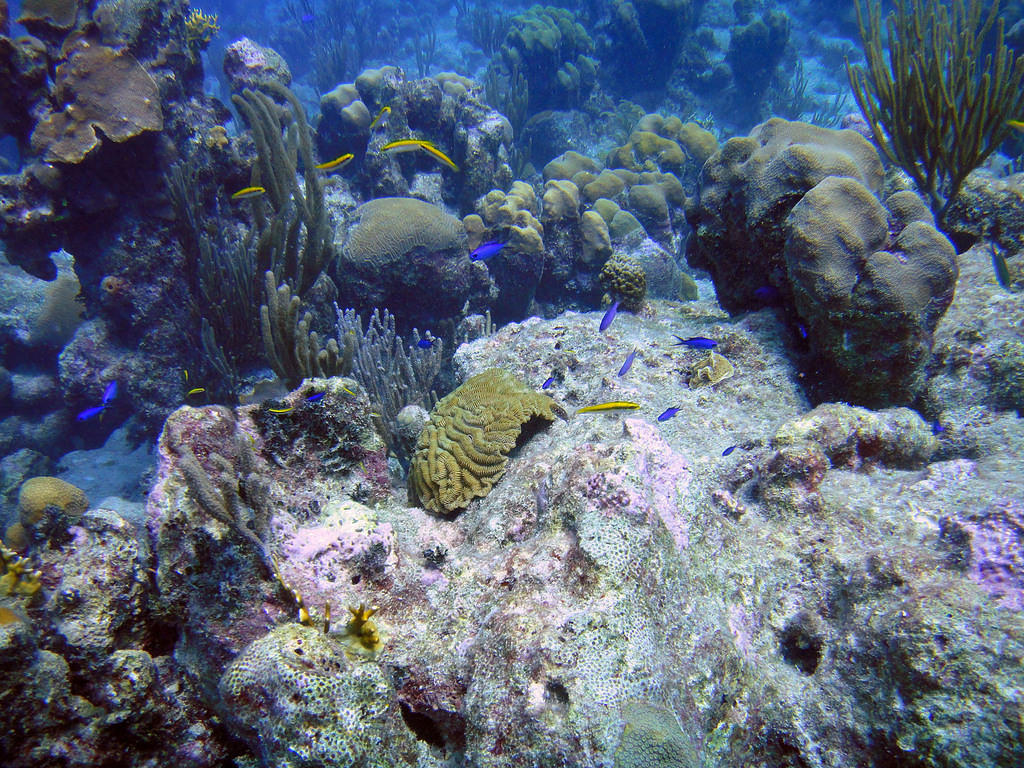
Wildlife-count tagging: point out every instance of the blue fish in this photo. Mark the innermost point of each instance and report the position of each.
(425, 343)
(609, 316)
(937, 427)
(110, 392)
(308, 18)
(88, 413)
(695, 342)
(314, 397)
(628, 364)
(548, 383)
(486, 250)
(768, 294)
(729, 450)
(668, 413)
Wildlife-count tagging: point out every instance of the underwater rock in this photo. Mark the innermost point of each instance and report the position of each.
(247, 64)
(988, 208)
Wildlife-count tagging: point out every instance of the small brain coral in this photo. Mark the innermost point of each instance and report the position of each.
(463, 449)
(624, 278)
(38, 493)
(296, 698)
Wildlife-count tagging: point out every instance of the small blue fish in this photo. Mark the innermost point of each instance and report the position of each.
(486, 250)
(110, 392)
(695, 342)
(548, 383)
(609, 316)
(308, 18)
(314, 397)
(729, 450)
(88, 413)
(768, 294)
(802, 330)
(628, 364)
(937, 428)
(668, 413)
(425, 343)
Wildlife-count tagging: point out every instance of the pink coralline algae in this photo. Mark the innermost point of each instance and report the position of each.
(990, 546)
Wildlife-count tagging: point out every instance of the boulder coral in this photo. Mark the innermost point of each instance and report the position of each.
(792, 211)
(403, 252)
(870, 283)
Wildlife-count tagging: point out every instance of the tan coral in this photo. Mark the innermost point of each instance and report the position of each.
(709, 371)
(106, 91)
(463, 450)
(38, 493)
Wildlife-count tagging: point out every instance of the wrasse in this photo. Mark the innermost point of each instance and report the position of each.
(1016, 124)
(410, 145)
(195, 391)
(248, 193)
(280, 410)
(339, 162)
(380, 118)
(614, 405)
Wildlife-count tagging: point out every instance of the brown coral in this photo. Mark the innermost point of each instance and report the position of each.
(624, 278)
(39, 493)
(106, 91)
(463, 449)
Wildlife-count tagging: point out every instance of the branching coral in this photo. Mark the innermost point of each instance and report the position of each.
(18, 577)
(935, 109)
(200, 28)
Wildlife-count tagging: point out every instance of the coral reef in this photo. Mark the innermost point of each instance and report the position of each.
(625, 280)
(463, 449)
(325, 709)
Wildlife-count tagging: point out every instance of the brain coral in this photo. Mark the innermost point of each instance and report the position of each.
(296, 698)
(463, 449)
(747, 189)
(871, 284)
(38, 493)
(402, 252)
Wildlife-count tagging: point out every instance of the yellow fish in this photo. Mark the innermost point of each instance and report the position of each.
(615, 405)
(195, 391)
(280, 410)
(380, 118)
(338, 162)
(1017, 124)
(248, 192)
(410, 145)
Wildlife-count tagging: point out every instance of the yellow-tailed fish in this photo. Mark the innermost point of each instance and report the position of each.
(614, 405)
(440, 156)
(280, 410)
(349, 391)
(248, 193)
(195, 391)
(338, 162)
(408, 145)
(381, 117)
(1017, 124)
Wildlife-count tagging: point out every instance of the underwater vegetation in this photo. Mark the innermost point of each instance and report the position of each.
(396, 383)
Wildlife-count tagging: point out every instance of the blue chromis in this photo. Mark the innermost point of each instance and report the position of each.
(609, 316)
(628, 364)
(548, 383)
(88, 413)
(729, 450)
(695, 342)
(110, 392)
(314, 397)
(425, 343)
(486, 250)
(667, 414)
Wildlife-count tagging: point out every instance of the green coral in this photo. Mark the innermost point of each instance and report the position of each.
(463, 450)
(653, 738)
(624, 278)
(296, 698)
(934, 108)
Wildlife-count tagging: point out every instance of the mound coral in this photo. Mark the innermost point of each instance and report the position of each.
(625, 280)
(39, 493)
(463, 449)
